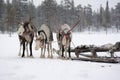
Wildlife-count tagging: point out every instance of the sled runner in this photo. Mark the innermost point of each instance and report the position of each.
(98, 59)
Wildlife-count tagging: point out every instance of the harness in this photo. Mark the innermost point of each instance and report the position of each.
(65, 38)
(43, 34)
(66, 35)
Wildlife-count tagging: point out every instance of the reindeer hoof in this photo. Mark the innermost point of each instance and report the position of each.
(42, 56)
(48, 56)
(60, 57)
(31, 56)
(51, 57)
(23, 56)
(67, 58)
(19, 54)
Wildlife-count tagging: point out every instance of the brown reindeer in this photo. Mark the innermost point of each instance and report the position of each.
(26, 34)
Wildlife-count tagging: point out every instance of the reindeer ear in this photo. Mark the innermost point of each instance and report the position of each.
(20, 23)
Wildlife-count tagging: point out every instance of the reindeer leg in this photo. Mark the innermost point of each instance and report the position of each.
(31, 49)
(51, 50)
(66, 53)
(26, 47)
(41, 55)
(19, 54)
(44, 50)
(60, 48)
(48, 49)
(62, 51)
(69, 51)
(23, 49)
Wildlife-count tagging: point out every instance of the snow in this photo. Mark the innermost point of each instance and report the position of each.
(13, 67)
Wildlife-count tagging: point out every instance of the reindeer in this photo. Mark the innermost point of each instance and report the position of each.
(26, 34)
(64, 37)
(44, 39)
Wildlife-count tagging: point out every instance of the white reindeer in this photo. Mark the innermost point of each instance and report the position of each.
(44, 39)
(64, 40)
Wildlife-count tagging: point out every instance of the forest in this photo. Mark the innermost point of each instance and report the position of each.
(53, 14)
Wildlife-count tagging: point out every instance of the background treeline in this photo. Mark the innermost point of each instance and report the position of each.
(53, 14)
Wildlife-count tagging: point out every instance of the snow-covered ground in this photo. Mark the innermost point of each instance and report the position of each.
(13, 67)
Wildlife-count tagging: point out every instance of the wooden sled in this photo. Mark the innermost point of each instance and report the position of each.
(94, 50)
(80, 50)
(98, 59)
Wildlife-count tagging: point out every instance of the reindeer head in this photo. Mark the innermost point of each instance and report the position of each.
(39, 42)
(20, 28)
